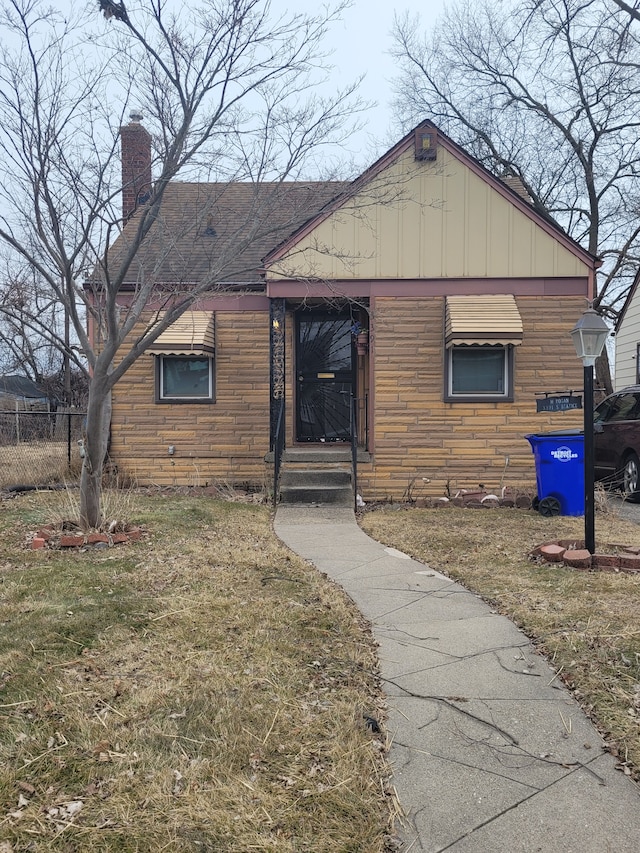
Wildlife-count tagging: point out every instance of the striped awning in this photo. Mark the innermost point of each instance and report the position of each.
(491, 320)
(191, 334)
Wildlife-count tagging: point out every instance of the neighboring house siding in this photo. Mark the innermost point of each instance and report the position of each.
(219, 442)
(626, 343)
(418, 435)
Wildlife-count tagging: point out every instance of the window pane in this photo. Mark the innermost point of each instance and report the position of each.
(478, 370)
(623, 407)
(186, 377)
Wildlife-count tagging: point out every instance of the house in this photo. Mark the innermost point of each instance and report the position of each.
(20, 393)
(467, 295)
(627, 331)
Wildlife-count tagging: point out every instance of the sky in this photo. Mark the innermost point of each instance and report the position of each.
(361, 44)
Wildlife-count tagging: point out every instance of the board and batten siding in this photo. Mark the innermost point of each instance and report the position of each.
(221, 442)
(429, 220)
(417, 435)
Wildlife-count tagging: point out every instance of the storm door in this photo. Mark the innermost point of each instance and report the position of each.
(324, 377)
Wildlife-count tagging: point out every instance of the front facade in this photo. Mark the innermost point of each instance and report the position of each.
(466, 297)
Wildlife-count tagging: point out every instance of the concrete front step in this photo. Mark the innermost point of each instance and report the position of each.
(316, 485)
(340, 495)
(320, 477)
(329, 454)
(317, 474)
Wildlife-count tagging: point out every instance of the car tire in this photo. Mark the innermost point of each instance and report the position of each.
(630, 478)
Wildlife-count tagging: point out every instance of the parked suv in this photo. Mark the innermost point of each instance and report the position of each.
(617, 441)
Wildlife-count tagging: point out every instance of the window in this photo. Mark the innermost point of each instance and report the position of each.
(480, 336)
(618, 407)
(184, 379)
(479, 373)
(185, 359)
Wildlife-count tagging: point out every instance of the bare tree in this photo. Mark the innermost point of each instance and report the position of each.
(25, 347)
(549, 91)
(633, 11)
(227, 90)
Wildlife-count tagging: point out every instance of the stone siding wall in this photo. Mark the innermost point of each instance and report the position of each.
(417, 435)
(224, 441)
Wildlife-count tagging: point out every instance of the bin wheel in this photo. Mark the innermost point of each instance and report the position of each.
(549, 506)
(535, 503)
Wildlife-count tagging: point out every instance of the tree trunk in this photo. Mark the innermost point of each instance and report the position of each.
(604, 385)
(95, 451)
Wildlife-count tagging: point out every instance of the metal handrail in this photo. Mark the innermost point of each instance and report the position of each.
(354, 448)
(278, 450)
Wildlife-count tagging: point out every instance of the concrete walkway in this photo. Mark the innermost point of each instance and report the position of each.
(489, 752)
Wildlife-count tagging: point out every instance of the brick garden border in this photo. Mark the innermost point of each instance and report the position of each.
(51, 536)
(573, 554)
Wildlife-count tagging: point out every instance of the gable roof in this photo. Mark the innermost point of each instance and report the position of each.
(233, 232)
(504, 187)
(221, 230)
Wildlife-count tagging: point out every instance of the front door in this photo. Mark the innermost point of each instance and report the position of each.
(325, 377)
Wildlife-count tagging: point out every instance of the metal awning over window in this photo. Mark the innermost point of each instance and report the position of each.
(491, 320)
(191, 334)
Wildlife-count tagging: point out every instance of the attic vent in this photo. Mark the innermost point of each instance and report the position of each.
(426, 142)
(209, 230)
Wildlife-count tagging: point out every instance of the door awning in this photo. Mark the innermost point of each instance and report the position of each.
(489, 320)
(191, 334)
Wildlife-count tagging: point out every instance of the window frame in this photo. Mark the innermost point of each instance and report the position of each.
(490, 397)
(159, 361)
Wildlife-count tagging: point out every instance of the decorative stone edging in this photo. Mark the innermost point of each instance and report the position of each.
(478, 499)
(52, 537)
(573, 554)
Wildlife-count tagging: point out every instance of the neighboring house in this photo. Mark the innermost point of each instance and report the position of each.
(20, 393)
(467, 294)
(627, 340)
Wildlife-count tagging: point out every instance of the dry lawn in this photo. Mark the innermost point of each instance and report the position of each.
(203, 690)
(35, 463)
(586, 623)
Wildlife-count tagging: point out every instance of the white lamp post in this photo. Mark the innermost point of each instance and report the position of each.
(589, 337)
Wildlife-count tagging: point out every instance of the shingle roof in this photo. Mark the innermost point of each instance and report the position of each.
(220, 230)
(20, 386)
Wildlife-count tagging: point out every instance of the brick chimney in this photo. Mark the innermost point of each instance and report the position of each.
(135, 143)
(514, 182)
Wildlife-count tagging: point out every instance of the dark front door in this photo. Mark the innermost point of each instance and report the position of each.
(324, 371)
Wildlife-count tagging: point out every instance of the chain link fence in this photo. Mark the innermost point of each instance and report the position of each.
(40, 448)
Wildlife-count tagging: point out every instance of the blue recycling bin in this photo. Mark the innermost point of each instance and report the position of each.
(559, 459)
